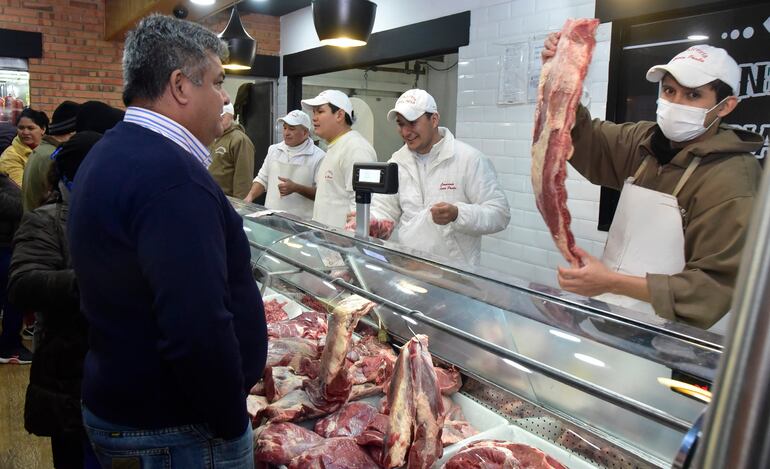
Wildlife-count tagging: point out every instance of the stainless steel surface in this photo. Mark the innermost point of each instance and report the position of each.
(737, 430)
(362, 220)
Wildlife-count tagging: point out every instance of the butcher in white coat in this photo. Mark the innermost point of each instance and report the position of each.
(448, 192)
(332, 118)
(290, 169)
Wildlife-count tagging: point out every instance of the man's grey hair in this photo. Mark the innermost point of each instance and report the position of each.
(158, 46)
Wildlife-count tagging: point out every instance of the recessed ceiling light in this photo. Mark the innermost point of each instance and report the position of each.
(697, 37)
(203, 2)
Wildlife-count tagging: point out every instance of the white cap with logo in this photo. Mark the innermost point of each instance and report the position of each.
(335, 97)
(412, 104)
(296, 117)
(698, 66)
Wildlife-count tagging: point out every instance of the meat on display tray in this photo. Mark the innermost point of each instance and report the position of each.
(486, 422)
(292, 308)
(515, 434)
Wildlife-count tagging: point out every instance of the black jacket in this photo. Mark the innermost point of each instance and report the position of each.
(41, 279)
(10, 209)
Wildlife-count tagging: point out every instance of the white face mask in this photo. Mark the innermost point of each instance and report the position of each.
(681, 123)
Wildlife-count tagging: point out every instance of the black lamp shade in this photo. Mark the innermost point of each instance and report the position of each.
(241, 46)
(344, 23)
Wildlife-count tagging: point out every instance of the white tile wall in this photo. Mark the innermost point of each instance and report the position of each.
(504, 133)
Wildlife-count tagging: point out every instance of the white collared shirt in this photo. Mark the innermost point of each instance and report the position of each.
(170, 129)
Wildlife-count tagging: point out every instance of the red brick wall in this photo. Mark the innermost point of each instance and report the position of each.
(77, 63)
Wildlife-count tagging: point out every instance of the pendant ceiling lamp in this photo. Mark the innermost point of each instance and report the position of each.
(241, 46)
(344, 23)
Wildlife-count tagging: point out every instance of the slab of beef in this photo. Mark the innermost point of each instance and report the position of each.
(334, 453)
(492, 454)
(449, 380)
(373, 361)
(255, 406)
(559, 91)
(291, 351)
(326, 393)
(310, 325)
(280, 381)
(296, 406)
(274, 311)
(361, 391)
(334, 382)
(350, 420)
(279, 443)
(455, 431)
(378, 227)
(416, 411)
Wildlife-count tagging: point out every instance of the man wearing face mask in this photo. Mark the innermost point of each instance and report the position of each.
(688, 184)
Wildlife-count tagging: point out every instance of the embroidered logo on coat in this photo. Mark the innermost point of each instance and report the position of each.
(329, 175)
(447, 186)
(220, 151)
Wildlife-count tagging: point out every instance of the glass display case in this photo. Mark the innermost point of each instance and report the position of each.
(592, 378)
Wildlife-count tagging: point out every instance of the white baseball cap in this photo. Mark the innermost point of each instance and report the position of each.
(698, 66)
(338, 98)
(412, 104)
(228, 109)
(296, 117)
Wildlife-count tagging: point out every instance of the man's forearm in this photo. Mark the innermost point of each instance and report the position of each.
(629, 285)
(306, 191)
(257, 189)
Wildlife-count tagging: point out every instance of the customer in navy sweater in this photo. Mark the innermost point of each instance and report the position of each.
(177, 327)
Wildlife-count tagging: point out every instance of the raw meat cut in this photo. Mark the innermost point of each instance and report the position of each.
(452, 411)
(280, 381)
(274, 311)
(291, 351)
(332, 387)
(449, 380)
(491, 454)
(373, 361)
(351, 420)
(313, 304)
(334, 453)
(559, 91)
(334, 383)
(295, 407)
(416, 411)
(279, 443)
(455, 431)
(255, 406)
(429, 418)
(378, 227)
(310, 325)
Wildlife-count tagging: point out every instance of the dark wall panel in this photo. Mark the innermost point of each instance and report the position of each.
(21, 44)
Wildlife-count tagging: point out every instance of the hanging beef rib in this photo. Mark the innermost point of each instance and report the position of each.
(558, 94)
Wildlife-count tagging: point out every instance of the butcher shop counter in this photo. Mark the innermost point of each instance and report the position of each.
(611, 390)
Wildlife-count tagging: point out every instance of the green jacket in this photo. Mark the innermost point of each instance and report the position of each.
(232, 162)
(716, 206)
(35, 187)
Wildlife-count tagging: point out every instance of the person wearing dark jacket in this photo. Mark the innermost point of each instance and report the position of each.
(41, 279)
(11, 349)
(177, 327)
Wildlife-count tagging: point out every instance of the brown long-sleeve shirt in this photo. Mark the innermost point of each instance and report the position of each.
(232, 162)
(716, 205)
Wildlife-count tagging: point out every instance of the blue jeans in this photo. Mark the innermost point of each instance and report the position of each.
(186, 446)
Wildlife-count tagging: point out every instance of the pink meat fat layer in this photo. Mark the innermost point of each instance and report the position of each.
(559, 91)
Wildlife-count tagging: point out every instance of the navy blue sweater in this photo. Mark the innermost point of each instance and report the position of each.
(178, 329)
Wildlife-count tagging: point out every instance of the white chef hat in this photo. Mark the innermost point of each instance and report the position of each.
(228, 109)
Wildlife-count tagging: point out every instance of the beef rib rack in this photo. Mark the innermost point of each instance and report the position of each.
(558, 94)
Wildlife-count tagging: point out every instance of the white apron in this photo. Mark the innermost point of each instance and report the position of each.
(295, 203)
(646, 236)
